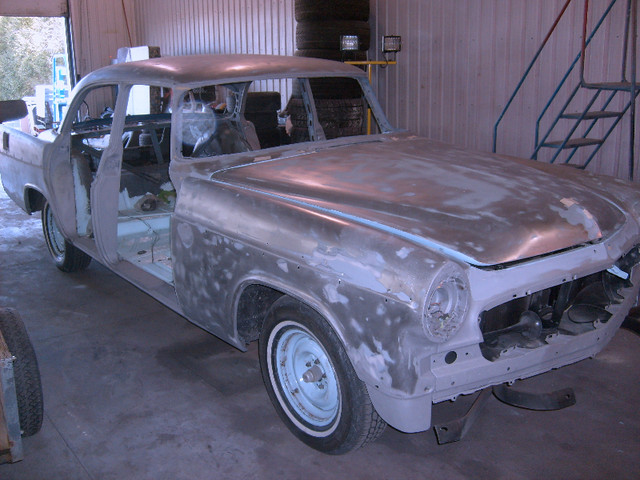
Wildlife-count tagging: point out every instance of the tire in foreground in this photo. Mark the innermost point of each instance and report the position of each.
(25, 372)
(312, 383)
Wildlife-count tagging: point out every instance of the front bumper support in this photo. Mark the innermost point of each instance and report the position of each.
(455, 430)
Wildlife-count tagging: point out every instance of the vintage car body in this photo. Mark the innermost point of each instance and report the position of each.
(439, 270)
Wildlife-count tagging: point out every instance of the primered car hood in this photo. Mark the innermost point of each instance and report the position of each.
(480, 208)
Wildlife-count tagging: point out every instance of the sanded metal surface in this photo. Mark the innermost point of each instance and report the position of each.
(161, 398)
(400, 243)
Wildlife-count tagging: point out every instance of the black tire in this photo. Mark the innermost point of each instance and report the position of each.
(269, 138)
(329, 409)
(336, 55)
(66, 257)
(338, 118)
(330, 88)
(331, 10)
(632, 322)
(25, 371)
(326, 35)
(262, 120)
(263, 102)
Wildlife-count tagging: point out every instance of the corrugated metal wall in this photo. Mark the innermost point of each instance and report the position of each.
(99, 28)
(219, 26)
(33, 8)
(182, 27)
(463, 58)
(460, 61)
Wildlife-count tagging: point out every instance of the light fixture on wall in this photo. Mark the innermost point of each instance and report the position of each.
(349, 47)
(391, 43)
(349, 43)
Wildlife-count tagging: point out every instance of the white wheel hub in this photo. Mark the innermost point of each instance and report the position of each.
(303, 371)
(55, 236)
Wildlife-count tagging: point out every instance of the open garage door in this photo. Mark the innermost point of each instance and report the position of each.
(34, 39)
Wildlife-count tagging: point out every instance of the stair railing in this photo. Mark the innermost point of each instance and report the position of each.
(630, 35)
(526, 73)
(633, 13)
(580, 55)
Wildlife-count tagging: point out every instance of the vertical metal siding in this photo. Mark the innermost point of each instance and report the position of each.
(218, 26)
(461, 60)
(183, 27)
(99, 29)
(33, 8)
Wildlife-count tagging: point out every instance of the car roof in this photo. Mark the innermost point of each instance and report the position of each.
(194, 70)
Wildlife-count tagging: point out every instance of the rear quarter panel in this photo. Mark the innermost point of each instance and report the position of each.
(21, 163)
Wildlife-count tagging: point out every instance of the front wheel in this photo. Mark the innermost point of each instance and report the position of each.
(66, 257)
(311, 381)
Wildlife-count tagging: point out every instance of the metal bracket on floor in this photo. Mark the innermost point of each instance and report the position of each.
(458, 428)
(455, 430)
(535, 401)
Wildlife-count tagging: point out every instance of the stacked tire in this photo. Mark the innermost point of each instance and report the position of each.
(320, 25)
(262, 110)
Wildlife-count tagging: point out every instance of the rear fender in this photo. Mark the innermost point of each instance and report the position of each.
(21, 164)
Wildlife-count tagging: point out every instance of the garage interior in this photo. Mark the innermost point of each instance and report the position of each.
(132, 390)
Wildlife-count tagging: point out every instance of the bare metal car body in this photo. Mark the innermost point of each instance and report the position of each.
(421, 256)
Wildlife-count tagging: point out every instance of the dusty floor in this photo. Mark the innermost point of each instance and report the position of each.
(133, 391)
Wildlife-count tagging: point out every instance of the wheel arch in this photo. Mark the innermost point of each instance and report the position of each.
(410, 415)
(255, 296)
(34, 199)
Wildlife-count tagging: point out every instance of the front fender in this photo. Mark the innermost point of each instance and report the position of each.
(367, 285)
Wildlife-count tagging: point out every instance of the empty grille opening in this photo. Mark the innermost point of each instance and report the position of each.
(570, 308)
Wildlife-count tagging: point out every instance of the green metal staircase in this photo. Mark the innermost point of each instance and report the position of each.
(573, 124)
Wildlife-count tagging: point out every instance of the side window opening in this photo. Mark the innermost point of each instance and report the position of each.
(248, 116)
(213, 122)
(91, 127)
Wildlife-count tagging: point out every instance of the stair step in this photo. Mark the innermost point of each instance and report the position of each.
(573, 143)
(611, 86)
(592, 115)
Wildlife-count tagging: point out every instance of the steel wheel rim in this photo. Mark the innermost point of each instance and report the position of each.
(56, 239)
(306, 377)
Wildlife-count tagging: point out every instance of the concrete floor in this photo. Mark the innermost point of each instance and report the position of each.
(133, 391)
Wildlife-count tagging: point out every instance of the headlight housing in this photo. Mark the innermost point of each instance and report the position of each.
(446, 304)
